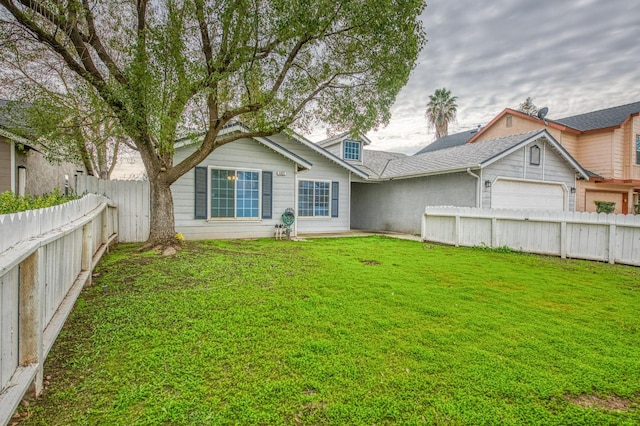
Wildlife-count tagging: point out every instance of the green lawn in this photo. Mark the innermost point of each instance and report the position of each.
(347, 331)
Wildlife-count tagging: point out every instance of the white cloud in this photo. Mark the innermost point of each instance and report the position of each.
(572, 57)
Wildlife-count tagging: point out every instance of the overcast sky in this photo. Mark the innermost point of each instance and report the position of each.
(572, 56)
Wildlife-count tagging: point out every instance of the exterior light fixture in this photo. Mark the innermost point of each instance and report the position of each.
(487, 184)
(573, 189)
(232, 177)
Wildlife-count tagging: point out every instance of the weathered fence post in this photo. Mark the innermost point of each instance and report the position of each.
(563, 239)
(30, 348)
(612, 243)
(87, 249)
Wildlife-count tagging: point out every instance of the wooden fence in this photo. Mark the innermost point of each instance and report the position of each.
(132, 199)
(46, 258)
(605, 237)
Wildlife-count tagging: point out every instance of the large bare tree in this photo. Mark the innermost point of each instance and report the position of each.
(271, 64)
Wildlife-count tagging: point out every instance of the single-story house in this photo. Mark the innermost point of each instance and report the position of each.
(23, 167)
(525, 171)
(242, 189)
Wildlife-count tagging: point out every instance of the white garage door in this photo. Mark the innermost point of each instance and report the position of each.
(511, 194)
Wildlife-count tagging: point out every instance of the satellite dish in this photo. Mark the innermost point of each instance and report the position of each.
(542, 113)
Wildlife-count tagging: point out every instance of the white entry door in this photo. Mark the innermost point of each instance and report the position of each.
(527, 195)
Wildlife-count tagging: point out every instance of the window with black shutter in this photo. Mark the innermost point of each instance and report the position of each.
(200, 211)
(334, 198)
(267, 197)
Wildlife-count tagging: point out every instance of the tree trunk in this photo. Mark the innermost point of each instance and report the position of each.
(161, 220)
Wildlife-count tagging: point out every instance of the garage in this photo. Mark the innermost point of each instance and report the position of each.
(527, 195)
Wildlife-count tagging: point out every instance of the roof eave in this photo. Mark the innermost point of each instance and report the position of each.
(9, 135)
(434, 173)
(542, 133)
(506, 111)
(237, 127)
(329, 155)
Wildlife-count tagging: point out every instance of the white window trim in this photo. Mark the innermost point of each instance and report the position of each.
(235, 218)
(328, 216)
(344, 145)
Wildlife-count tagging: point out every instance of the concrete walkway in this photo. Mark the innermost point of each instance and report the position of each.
(359, 233)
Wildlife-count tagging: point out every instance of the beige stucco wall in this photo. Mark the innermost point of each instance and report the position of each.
(586, 194)
(42, 176)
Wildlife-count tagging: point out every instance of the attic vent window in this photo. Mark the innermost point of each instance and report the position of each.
(509, 121)
(352, 150)
(534, 155)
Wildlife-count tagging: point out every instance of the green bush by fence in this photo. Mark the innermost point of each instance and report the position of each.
(11, 203)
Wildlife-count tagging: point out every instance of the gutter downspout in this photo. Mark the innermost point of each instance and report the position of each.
(479, 187)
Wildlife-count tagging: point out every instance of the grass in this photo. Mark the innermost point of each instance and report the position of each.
(347, 331)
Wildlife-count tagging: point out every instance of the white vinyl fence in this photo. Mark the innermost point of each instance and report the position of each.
(46, 258)
(132, 199)
(605, 237)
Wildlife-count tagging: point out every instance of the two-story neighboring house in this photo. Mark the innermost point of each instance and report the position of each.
(605, 142)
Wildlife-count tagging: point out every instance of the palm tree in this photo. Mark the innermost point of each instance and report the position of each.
(441, 110)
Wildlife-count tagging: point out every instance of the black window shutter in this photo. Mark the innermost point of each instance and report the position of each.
(267, 197)
(200, 211)
(334, 198)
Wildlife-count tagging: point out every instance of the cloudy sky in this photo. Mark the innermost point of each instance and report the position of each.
(572, 56)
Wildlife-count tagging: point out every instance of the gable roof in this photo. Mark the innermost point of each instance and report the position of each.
(448, 141)
(601, 119)
(470, 156)
(520, 114)
(339, 138)
(239, 127)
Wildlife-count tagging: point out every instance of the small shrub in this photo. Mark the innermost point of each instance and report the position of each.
(11, 203)
(501, 249)
(605, 206)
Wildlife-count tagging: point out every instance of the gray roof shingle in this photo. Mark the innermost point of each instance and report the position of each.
(449, 159)
(448, 141)
(609, 117)
(374, 162)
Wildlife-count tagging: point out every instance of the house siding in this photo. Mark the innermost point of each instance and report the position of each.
(569, 142)
(519, 125)
(335, 149)
(5, 165)
(635, 132)
(323, 169)
(242, 154)
(516, 165)
(618, 152)
(399, 205)
(250, 154)
(595, 153)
